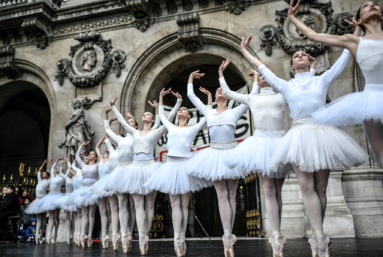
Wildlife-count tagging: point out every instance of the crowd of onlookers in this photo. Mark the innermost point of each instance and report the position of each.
(12, 208)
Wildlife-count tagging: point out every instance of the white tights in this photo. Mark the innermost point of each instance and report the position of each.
(79, 222)
(88, 220)
(144, 213)
(54, 221)
(273, 196)
(374, 131)
(113, 201)
(180, 211)
(226, 193)
(40, 224)
(75, 218)
(313, 186)
(70, 223)
(105, 214)
(123, 212)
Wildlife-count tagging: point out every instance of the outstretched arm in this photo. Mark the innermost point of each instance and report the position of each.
(334, 72)
(347, 41)
(193, 98)
(176, 107)
(120, 118)
(249, 57)
(99, 154)
(157, 121)
(78, 158)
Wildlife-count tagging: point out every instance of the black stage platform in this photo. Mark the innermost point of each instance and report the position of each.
(365, 247)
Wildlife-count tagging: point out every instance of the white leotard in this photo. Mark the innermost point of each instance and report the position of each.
(369, 56)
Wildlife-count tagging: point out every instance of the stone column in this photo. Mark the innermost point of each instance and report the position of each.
(364, 196)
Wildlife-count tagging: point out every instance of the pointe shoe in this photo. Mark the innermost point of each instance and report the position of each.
(70, 240)
(37, 238)
(116, 243)
(183, 250)
(229, 253)
(90, 242)
(105, 242)
(50, 237)
(280, 254)
(124, 240)
(82, 241)
(145, 246)
(129, 240)
(327, 253)
(178, 250)
(314, 248)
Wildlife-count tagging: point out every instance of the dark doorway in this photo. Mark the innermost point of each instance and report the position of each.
(24, 131)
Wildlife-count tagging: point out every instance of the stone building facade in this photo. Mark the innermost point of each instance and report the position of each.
(55, 51)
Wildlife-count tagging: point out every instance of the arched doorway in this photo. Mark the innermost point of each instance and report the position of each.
(25, 121)
(166, 64)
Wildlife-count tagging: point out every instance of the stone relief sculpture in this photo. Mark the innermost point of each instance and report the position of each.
(77, 130)
(91, 60)
(317, 16)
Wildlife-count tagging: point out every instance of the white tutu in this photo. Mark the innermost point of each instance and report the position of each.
(110, 185)
(131, 179)
(353, 108)
(47, 202)
(98, 187)
(33, 207)
(171, 178)
(209, 163)
(60, 203)
(314, 147)
(254, 154)
(70, 200)
(84, 197)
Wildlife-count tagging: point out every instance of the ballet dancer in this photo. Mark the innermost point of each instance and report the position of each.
(171, 178)
(85, 198)
(312, 149)
(209, 163)
(43, 180)
(361, 107)
(103, 203)
(132, 178)
(68, 209)
(47, 202)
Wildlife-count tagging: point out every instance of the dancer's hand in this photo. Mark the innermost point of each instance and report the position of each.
(254, 74)
(66, 160)
(177, 95)
(353, 23)
(165, 92)
(313, 61)
(153, 104)
(224, 65)
(60, 158)
(106, 136)
(197, 75)
(130, 116)
(205, 91)
(113, 119)
(85, 143)
(293, 9)
(113, 101)
(246, 43)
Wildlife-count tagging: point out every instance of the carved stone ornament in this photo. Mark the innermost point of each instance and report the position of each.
(140, 10)
(7, 63)
(236, 6)
(317, 16)
(188, 31)
(41, 34)
(91, 60)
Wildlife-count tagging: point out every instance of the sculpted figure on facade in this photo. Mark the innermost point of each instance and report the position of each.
(89, 60)
(77, 131)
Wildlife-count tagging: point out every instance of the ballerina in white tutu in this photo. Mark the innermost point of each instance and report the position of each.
(134, 177)
(68, 209)
(47, 202)
(312, 149)
(362, 107)
(171, 177)
(209, 163)
(124, 207)
(85, 198)
(43, 180)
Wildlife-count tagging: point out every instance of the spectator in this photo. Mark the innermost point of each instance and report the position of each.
(25, 195)
(9, 207)
(2, 198)
(20, 235)
(25, 217)
(31, 231)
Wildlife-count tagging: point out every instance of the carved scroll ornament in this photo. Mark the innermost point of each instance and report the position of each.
(91, 60)
(317, 16)
(188, 31)
(7, 63)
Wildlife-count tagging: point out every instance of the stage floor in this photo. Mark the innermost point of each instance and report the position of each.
(350, 247)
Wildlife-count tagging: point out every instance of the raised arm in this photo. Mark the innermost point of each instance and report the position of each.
(163, 119)
(123, 122)
(193, 98)
(40, 171)
(109, 145)
(77, 170)
(157, 121)
(78, 158)
(98, 151)
(273, 80)
(176, 107)
(347, 41)
(334, 72)
(249, 57)
(53, 169)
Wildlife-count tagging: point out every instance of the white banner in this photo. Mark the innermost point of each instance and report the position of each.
(202, 139)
